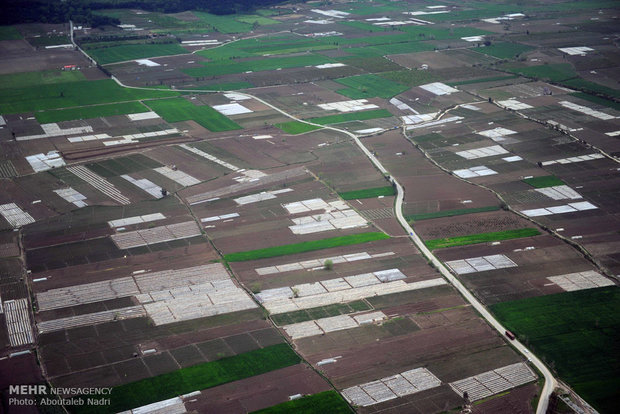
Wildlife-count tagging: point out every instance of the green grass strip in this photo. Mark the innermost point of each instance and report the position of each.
(195, 378)
(368, 193)
(306, 246)
(296, 127)
(321, 403)
(545, 181)
(480, 238)
(87, 112)
(180, 109)
(504, 50)
(450, 213)
(353, 116)
(9, 33)
(577, 334)
(481, 80)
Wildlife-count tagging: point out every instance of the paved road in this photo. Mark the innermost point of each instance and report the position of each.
(550, 382)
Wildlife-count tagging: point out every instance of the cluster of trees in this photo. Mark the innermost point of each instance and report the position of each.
(81, 11)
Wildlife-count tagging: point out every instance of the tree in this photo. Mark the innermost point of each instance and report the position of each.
(328, 264)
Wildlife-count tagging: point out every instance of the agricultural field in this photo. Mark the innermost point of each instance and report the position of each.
(575, 333)
(174, 229)
(179, 109)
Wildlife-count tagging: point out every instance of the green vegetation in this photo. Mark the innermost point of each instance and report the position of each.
(86, 112)
(254, 19)
(369, 86)
(256, 65)
(553, 72)
(296, 127)
(544, 181)
(44, 77)
(480, 238)
(352, 116)
(123, 165)
(482, 80)
(410, 77)
(107, 55)
(233, 23)
(372, 64)
(180, 109)
(368, 193)
(450, 213)
(577, 334)
(9, 33)
(597, 100)
(197, 377)
(71, 94)
(591, 87)
(367, 27)
(49, 40)
(321, 403)
(319, 312)
(306, 246)
(504, 50)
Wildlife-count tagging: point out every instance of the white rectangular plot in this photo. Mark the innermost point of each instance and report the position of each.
(365, 279)
(497, 132)
(492, 382)
(171, 406)
(44, 162)
(90, 319)
(331, 13)
(136, 220)
(146, 185)
(439, 88)
(479, 171)
(460, 267)
(561, 209)
(482, 152)
(580, 280)
(177, 175)
(232, 109)
(369, 317)
(334, 285)
(142, 116)
(536, 212)
(348, 106)
(378, 391)
(389, 275)
(255, 198)
(302, 330)
(399, 385)
(480, 264)
(17, 318)
(514, 158)
(586, 110)
(15, 215)
(421, 379)
(500, 261)
(584, 205)
(156, 235)
(357, 396)
(72, 196)
(576, 50)
(146, 62)
(514, 104)
(309, 289)
(274, 294)
(336, 323)
(560, 192)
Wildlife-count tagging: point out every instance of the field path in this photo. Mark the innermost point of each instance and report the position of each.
(550, 381)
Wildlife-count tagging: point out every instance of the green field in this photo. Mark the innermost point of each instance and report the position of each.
(233, 23)
(320, 312)
(196, 378)
(410, 77)
(544, 181)
(179, 109)
(9, 33)
(256, 65)
(296, 127)
(367, 27)
(555, 72)
(352, 116)
(71, 94)
(450, 213)
(307, 246)
(482, 80)
(368, 193)
(44, 77)
(480, 238)
(369, 86)
(49, 40)
(591, 87)
(107, 55)
(504, 50)
(324, 402)
(577, 334)
(86, 112)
